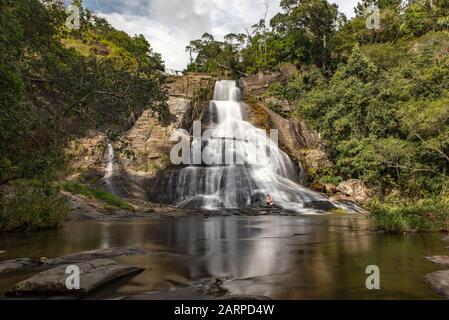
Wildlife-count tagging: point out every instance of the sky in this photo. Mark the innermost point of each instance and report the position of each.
(169, 25)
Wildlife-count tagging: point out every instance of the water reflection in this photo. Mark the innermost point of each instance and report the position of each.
(281, 257)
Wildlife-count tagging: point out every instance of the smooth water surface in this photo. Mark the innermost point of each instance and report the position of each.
(305, 257)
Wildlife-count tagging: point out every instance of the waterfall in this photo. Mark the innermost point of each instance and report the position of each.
(110, 168)
(245, 164)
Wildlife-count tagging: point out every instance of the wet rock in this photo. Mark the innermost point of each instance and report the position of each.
(439, 281)
(98, 254)
(93, 275)
(355, 190)
(15, 264)
(320, 205)
(215, 288)
(442, 260)
(258, 198)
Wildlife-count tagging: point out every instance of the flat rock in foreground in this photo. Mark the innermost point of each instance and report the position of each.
(93, 275)
(15, 264)
(98, 254)
(442, 260)
(439, 281)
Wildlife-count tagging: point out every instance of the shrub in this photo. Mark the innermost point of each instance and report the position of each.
(98, 194)
(33, 209)
(429, 215)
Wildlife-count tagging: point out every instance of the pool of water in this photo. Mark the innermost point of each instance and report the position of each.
(305, 257)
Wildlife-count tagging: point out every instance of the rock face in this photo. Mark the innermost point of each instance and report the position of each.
(144, 150)
(88, 156)
(316, 160)
(296, 138)
(93, 275)
(15, 264)
(147, 143)
(354, 190)
(439, 281)
(259, 83)
(187, 86)
(442, 260)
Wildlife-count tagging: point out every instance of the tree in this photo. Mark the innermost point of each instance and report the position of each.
(217, 57)
(312, 23)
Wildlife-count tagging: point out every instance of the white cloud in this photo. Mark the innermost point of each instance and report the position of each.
(169, 25)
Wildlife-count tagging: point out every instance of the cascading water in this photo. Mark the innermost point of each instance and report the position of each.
(110, 168)
(226, 183)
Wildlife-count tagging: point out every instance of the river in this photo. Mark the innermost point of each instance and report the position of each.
(302, 257)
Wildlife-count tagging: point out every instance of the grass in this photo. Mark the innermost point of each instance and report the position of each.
(428, 215)
(109, 199)
(33, 209)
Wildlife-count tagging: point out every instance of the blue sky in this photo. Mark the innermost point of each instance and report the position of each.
(169, 25)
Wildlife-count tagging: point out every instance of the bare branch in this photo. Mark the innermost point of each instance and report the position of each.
(88, 96)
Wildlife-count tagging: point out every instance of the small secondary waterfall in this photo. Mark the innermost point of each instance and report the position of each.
(245, 165)
(110, 168)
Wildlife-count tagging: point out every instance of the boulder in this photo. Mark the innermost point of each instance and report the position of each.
(15, 264)
(93, 275)
(442, 260)
(319, 205)
(439, 281)
(98, 254)
(258, 198)
(330, 188)
(355, 190)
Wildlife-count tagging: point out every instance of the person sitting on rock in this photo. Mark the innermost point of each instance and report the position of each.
(269, 201)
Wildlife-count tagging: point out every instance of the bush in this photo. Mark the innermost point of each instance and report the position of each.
(98, 194)
(429, 215)
(33, 209)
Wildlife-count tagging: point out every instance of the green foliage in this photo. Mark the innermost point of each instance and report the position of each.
(311, 23)
(314, 32)
(97, 194)
(216, 57)
(298, 86)
(301, 33)
(429, 215)
(32, 209)
(280, 110)
(56, 84)
(387, 124)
